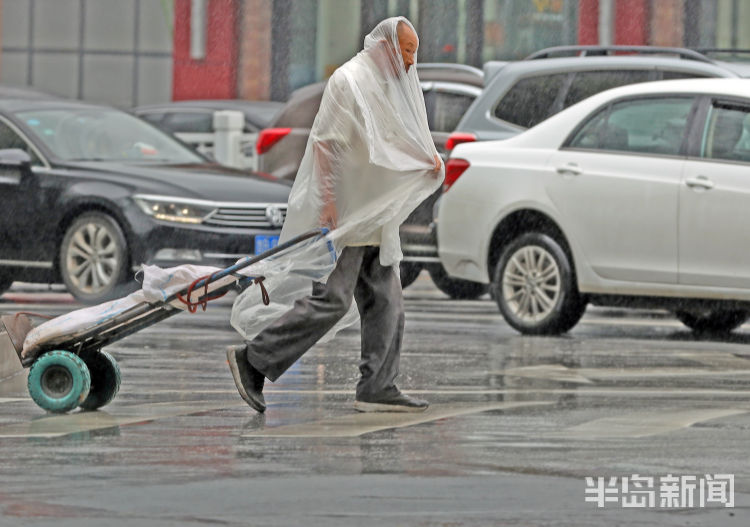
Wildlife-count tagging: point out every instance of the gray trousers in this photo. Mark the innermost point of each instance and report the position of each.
(377, 290)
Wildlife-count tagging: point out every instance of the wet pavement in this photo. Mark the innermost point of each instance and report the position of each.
(515, 426)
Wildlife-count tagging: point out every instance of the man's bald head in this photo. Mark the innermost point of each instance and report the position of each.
(407, 42)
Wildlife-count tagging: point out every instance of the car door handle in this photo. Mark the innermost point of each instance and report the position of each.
(571, 169)
(700, 182)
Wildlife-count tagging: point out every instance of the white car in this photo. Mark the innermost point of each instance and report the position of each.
(638, 197)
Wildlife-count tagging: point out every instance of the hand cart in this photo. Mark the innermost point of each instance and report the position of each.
(73, 371)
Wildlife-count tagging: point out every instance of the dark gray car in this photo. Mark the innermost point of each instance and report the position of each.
(521, 94)
(449, 89)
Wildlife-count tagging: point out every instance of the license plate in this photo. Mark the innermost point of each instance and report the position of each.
(265, 242)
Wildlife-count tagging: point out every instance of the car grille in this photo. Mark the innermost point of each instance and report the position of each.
(251, 217)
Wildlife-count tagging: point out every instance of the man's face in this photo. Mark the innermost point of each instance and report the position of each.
(408, 43)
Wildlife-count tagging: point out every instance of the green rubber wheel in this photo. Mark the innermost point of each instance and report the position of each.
(105, 379)
(59, 381)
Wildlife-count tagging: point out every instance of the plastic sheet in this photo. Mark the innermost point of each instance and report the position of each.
(370, 158)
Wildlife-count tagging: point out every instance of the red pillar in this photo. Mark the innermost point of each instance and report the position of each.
(631, 22)
(588, 22)
(215, 75)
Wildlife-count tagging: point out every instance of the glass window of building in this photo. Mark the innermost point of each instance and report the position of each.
(514, 29)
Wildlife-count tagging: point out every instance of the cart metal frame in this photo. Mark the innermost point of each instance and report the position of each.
(144, 314)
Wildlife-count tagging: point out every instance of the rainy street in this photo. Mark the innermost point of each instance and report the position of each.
(566, 151)
(515, 426)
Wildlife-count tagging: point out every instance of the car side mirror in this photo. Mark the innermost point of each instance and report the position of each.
(14, 158)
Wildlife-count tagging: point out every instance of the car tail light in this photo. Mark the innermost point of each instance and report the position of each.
(457, 138)
(269, 137)
(453, 170)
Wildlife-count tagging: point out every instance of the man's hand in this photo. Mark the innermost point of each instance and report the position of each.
(438, 165)
(329, 216)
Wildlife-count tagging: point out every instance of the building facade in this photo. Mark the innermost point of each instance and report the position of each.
(284, 44)
(113, 51)
(129, 52)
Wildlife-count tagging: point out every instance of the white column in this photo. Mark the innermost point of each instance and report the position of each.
(606, 22)
(227, 135)
(198, 28)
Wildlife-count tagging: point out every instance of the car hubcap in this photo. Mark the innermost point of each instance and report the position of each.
(92, 258)
(531, 283)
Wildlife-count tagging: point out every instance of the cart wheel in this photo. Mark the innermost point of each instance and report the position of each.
(105, 379)
(59, 381)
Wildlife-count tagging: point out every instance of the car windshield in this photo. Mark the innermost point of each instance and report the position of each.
(104, 134)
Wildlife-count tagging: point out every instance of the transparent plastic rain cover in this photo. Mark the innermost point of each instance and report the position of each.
(370, 155)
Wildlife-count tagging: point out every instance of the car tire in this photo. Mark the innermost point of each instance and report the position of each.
(408, 272)
(94, 258)
(456, 288)
(716, 321)
(534, 286)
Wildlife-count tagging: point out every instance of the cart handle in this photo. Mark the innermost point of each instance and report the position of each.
(204, 281)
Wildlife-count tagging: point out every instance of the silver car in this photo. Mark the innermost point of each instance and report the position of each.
(521, 94)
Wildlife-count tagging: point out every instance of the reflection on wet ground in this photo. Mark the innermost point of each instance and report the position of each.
(618, 395)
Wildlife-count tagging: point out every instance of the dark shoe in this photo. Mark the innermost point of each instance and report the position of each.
(249, 381)
(393, 403)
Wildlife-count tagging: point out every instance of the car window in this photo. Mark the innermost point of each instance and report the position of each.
(301, 109)
(429, 106)
(189, 122)
(648, 126)
(152, 117)
(588, 83)
(727, 133)
(671, 75)
(103, 134)
(10, 139)
(449, 108)
(530, 100)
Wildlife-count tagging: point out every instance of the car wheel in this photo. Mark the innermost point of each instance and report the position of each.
(456, 288)
(93, 258)
(716, 321)
(408, 273)
(535, 287)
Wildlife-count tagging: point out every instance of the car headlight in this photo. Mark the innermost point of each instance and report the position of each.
(175, 209)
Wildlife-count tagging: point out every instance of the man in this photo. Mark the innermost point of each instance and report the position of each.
(369, 162)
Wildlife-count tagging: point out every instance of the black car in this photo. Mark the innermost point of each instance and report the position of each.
(89, 193)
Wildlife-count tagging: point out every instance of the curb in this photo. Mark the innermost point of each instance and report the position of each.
(37, 298)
